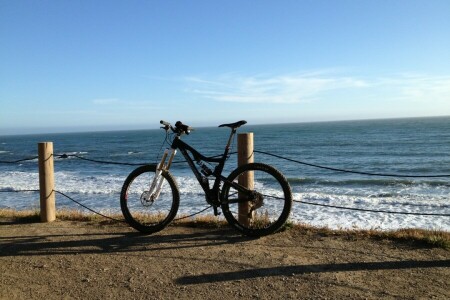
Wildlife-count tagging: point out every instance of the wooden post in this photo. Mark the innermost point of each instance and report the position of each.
(46, 181)
(245, 156)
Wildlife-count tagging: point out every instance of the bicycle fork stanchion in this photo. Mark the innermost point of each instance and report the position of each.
(46, 182)
(245, 156)
(158, 180)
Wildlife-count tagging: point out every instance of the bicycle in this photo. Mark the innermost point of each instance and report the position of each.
(150, 196)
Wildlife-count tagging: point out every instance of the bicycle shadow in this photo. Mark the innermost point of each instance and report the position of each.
(309, 269)
(119, 242)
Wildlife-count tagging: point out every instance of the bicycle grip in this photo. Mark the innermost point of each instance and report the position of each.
(164, 123)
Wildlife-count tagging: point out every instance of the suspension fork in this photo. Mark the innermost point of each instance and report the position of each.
(158, 180)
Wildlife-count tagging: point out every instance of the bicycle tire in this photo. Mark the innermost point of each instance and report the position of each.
(148, 217)
(270, 210)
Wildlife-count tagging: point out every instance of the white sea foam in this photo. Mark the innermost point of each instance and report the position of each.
(102, 192)
(339, 218)
(65, 182)
(16, 181)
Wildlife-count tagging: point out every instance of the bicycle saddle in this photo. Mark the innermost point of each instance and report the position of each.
(234, 125)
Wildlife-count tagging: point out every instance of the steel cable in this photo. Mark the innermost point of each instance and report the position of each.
(349, 171)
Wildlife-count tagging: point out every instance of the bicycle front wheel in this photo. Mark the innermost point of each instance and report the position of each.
(264, 208)
(140, 210)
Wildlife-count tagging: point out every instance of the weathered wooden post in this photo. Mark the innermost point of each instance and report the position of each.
(245, 156)
(46, 181)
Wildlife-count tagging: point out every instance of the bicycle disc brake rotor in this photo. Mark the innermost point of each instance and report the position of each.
(146, 199)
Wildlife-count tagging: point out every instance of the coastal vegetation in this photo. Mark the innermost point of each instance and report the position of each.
(419, 237)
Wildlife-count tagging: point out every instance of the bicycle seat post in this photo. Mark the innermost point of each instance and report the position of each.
(233, 131)
(234, 127)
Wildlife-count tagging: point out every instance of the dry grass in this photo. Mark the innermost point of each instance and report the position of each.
(29, 216)
(433, 238)
(206, 221)
(21, 216)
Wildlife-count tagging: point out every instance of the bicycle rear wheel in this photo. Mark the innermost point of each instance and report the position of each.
(269, 204)
(141, 213)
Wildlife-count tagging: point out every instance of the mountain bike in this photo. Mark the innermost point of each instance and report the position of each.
(150, 196)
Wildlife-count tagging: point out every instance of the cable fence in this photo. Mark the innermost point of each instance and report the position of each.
(18, 161)
(350, 171)
(232, 153)
(65, 156)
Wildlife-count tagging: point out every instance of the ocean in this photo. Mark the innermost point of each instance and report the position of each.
(414, 146)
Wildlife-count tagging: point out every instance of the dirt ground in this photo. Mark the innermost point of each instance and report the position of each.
(80, 260)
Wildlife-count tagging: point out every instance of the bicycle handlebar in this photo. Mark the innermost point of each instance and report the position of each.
(179, 128)
(164, 123)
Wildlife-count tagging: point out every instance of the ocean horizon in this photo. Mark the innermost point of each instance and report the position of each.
(115, 128)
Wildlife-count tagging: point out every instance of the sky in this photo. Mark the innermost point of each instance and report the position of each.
(108, 65)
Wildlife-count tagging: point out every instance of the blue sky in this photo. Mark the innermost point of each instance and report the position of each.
(99, 65)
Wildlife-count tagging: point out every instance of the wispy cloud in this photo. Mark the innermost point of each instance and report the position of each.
(116, 103)
(308, 87)
(270, 89)
(105, 101)
(422, 88)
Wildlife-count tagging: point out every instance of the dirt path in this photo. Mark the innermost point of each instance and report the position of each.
(78, 260)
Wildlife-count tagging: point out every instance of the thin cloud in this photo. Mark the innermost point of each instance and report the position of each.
(116, 103)
(288, 89)
(308, 87)
(420, 88)
(105, 101)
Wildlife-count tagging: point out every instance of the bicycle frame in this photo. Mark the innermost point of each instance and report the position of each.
(212, 194)
(201, 175)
